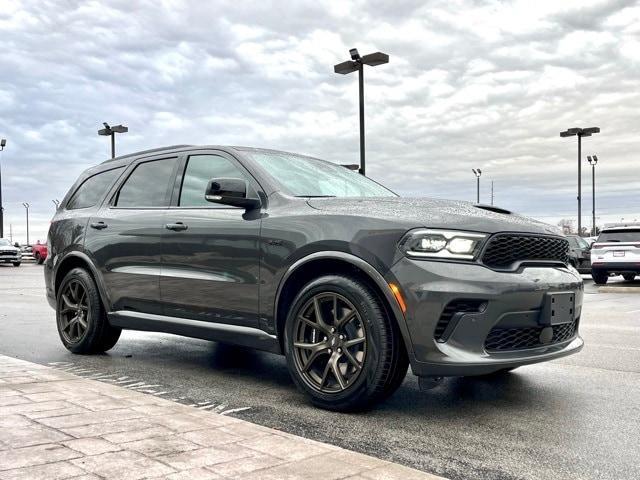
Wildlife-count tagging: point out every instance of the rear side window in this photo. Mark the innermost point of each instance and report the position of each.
(147, 185)
(626, 235)
(93, 189)
(200, 169)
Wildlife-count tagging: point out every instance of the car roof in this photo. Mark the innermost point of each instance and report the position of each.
(625, 226)
(180, 148)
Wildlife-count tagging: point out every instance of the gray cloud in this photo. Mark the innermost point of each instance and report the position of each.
(470, 84)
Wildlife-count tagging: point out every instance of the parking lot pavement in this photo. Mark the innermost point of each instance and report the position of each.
(574, 418)
(56, 425)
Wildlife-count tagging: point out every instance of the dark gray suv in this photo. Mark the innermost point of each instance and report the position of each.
(299, 256)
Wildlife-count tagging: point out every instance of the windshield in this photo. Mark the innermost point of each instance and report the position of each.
(310, 177)
(626, 235)
(4, 242)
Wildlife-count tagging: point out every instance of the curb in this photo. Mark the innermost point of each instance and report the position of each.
(54, 424)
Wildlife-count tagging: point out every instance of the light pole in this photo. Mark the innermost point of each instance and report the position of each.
(111, 131)
(477, 173)
(357, 63)
(593, 161)
(3, 143)
(26, 206)
(580, 132)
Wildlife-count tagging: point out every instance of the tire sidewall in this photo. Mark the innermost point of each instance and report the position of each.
(94, 311)
(369, 314)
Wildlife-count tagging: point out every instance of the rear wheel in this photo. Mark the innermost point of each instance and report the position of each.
(599, 277)
(342, 349)
(629, 277)
(82, 322)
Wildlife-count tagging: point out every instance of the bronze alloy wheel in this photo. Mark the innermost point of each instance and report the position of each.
(330, 343)
(74, 312)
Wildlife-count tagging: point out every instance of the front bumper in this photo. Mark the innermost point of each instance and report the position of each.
(505, 300)
(11, 258)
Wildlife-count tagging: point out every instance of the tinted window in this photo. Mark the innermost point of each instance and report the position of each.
(310, 177)
(93, 189)
(626, 235)
(200, 169)
(147, 185)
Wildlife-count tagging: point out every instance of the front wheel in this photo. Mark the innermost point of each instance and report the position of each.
(82, 322)
(629, 277)
(599, 277)
(16, 264)
(342, 349)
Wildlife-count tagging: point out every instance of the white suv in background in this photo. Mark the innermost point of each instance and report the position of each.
(616, 251)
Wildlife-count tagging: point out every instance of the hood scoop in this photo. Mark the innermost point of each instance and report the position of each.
(491, 208)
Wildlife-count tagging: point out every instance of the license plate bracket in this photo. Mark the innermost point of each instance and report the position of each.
(618, 253)
(558, 308)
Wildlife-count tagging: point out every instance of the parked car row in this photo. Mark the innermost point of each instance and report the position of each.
(16, 253)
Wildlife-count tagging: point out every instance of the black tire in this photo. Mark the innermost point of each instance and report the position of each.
(16, 264)
(629, 277)
(97, 335)
(383, 363)
(39, 259)
(599, 277)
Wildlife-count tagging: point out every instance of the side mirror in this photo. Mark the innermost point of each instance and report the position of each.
(17, 245)
(230, 191)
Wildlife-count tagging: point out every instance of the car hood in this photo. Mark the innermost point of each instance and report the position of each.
(8, 249)
(434, 213)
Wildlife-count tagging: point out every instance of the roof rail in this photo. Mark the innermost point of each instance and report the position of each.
(142, 152)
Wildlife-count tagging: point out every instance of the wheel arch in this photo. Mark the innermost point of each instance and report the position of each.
(79, 260)
(327, 263)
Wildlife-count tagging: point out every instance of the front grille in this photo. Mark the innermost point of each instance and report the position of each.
(453, 307)
(8, 253)
(505, 339)
(504, 249)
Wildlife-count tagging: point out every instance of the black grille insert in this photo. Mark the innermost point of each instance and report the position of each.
(505, 249)
(505, 339)
(453, 307)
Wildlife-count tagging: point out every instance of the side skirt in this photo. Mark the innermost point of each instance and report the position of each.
(219, 332)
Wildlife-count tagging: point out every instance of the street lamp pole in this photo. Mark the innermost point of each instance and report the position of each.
(477, 173)
(580, 132)
(26, 206)
(357, 63)
(593, 161)
(111, 131)
(3, 143)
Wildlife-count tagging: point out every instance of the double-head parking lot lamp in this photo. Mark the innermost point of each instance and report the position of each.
(111, 131)
(357, 63)
(580, 132)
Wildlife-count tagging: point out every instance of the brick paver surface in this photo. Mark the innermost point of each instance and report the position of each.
(54, 426)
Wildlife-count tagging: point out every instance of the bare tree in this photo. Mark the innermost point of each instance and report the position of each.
(566, 224)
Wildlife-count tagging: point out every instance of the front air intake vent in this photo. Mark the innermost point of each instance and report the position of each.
(444, 327)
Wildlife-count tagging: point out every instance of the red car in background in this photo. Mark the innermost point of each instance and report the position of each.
(40, 252)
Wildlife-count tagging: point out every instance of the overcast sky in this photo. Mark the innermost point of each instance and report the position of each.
(470, 84)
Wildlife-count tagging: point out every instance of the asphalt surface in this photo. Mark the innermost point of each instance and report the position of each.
(574, 418)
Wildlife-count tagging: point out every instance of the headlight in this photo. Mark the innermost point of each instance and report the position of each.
(442, 244)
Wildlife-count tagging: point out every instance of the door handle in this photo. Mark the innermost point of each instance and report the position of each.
(176, 227)
(98, 225)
